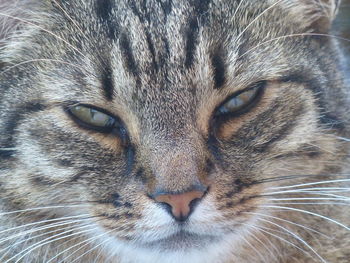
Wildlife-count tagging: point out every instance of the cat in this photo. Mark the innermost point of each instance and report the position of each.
(173, 131)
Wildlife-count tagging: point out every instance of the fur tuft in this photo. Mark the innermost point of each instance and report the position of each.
(317, 15)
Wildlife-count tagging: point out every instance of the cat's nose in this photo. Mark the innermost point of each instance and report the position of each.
(181, 205)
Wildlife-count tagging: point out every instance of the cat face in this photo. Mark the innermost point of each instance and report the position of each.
(169, 126)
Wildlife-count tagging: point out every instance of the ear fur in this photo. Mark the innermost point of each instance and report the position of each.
(317, 15)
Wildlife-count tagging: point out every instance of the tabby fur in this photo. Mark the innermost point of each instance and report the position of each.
(277, 176)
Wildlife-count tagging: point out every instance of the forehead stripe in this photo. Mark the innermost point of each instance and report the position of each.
(128, 55)
(107, 82)
(104, 9)
(219, 69)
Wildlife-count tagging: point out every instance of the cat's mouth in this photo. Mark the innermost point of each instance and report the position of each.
(182, 240)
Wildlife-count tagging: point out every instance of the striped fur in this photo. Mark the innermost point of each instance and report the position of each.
(163, 68)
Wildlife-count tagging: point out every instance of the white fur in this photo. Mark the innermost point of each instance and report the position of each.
(202, 221)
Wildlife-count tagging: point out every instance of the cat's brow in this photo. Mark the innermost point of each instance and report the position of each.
(219, 67)
(103, 9)
(107, 82)
(128, 56)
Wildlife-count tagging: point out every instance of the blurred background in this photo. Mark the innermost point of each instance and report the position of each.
(341, 27)
(342, 24)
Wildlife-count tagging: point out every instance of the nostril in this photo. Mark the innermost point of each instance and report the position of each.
(194, 203)
(166, 206)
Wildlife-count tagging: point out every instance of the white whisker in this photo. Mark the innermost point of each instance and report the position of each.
(263, 244)
(40, 60)
(323, 189)
(309, 193)
(8, 149)
(309, 213)
(290, 222)
(308, 184)
(236, 11)
(45, 30)
(254, 248)
(259, 228)
(311, 203)
(48, 241)
(42, 208)
(257, 17)
(290, 36)
(309, 198)
(343, 138)
(8, 248)
(296, 237)
(37, 229)
(43, 222)
(71, 19)
(91, 249)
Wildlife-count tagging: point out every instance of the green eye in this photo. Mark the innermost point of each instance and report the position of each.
(241, 102)
(92, 118)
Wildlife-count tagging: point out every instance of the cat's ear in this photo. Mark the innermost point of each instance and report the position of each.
(317, 15)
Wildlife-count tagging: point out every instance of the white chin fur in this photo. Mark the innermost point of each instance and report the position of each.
(118, 251)
(157, 224)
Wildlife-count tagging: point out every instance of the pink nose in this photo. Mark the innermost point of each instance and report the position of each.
(180, 203)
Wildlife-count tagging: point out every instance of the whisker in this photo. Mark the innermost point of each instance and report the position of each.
(309, 198)
(8, 248)
(311, 192)
(290, 36)
(45, 30)
(256, 18)
(254, 248)
(310, 203)
(30, 231)
(236, 11)
(8, 149)
(323, 189)
(290, 222)
(308, 193)
(343, 138)
(41, 208)
(95, 247)
(264, 244)
(47, 241)
(42, 222)
(81, 31)
(98, 255)
(89, 250)
(313, 183)
(259, 228)
(300, 176)
(296, 237)
(307, 212)
(41, 60)
(70, 18)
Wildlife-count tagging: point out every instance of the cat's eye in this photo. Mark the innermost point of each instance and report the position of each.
(240, 102)
(93, 118)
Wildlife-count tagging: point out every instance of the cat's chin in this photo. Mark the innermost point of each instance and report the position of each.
(182, 240)
(180, 246)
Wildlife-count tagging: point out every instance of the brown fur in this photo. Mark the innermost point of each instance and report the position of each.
(164, 68)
